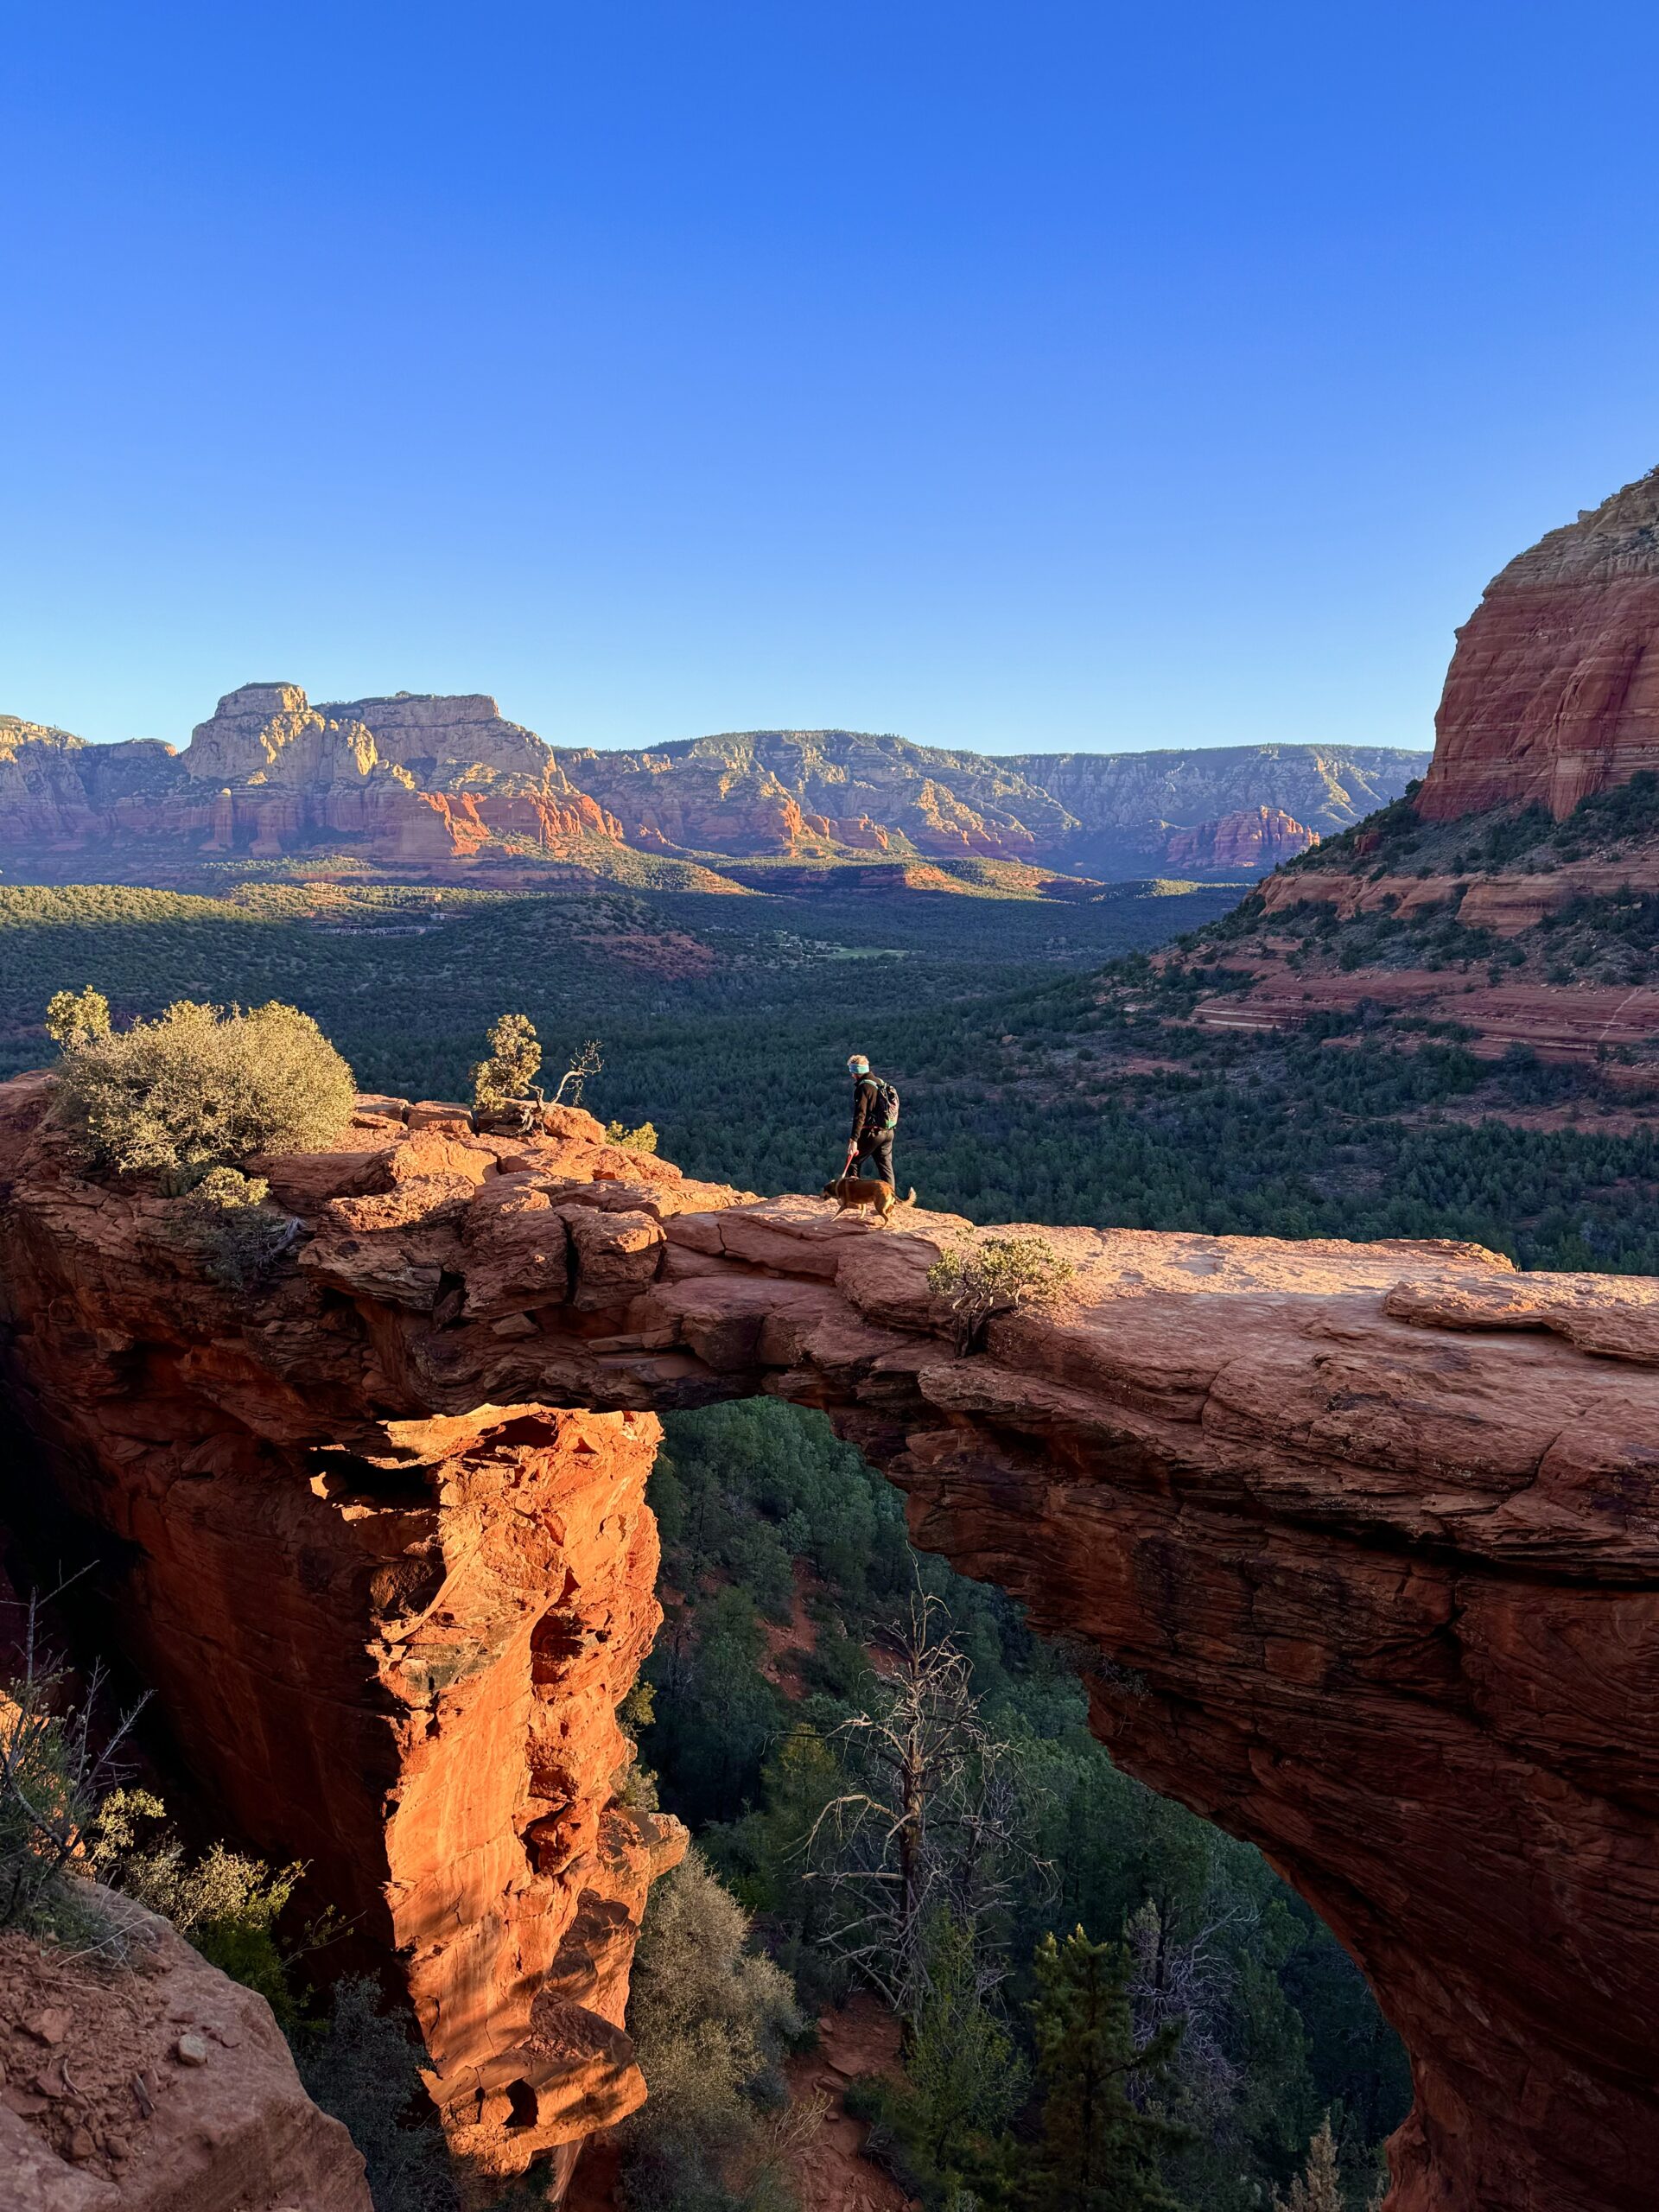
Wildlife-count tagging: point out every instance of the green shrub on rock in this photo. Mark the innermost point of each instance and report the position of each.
(504, 1079)
(997, 1276)
(644, 1139)
(199, 1088)
(77, 1018)
(236, 1233)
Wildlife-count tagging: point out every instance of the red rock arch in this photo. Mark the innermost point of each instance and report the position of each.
(1365, 1537)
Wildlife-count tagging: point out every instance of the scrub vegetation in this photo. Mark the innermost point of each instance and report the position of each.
(817, 1687)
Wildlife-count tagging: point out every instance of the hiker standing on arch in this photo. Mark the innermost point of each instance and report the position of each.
(875, 1117)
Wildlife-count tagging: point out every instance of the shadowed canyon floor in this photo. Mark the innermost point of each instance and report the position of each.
(1362, 1538)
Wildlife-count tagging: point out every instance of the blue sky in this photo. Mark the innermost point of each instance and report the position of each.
(1034, 375)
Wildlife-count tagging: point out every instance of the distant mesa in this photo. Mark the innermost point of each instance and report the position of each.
(410, 780)
(448, 785)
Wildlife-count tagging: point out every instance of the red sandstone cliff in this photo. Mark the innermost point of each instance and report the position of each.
(1250, 841)
(412, 779)
(1554, 690)
(392, 1647)
(1365, 1539)
(1551, 697)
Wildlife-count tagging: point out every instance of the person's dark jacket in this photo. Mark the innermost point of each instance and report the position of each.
(869, 1112)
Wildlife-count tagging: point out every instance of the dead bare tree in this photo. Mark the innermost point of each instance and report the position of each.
(588, 1062)
(928, 1821)
(1187, 1982)
(57, 1765)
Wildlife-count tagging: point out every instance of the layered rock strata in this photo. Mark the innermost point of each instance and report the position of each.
(424, 779)
(1364, 1541)
(1553, 692)
(1246, 842)
(390, 1644)
(412, 779)
(418, 777)
(1219, 810)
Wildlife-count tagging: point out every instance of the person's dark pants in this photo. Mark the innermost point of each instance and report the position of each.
(875, 1155)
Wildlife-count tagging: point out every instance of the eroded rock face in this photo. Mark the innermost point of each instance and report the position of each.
(1365, 1539)
(1553, 691)
(412, 779)
(391, 1647)
(1251, 839)
(801, 791)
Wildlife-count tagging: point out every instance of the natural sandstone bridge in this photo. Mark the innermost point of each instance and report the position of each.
(1367, 1533)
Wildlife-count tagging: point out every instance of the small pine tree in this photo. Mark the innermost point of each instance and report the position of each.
(515, 1056)
(74, 1019)
(959, 2060)
(1099, 2151)
(1318, 2188)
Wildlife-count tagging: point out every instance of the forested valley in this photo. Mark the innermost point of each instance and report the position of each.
(1038, 1084)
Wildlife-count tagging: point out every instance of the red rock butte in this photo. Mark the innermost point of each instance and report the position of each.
(1362, 1540)
(1552, 693)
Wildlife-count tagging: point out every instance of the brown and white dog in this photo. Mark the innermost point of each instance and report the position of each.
(852, 1191)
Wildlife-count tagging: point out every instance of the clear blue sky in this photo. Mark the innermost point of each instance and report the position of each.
(1050, 373)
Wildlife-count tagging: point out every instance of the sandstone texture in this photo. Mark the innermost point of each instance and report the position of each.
(1552, 698)
(1554, 690)
(390, 1644)
(1364, 1541)
(151, 2082)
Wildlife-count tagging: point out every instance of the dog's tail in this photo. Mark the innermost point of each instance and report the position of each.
(910, 1199)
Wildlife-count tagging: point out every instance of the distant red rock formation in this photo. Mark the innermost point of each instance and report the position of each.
(270, 775)
(789, 792)
(1250, 841)
(1552, 693)
(412, 779)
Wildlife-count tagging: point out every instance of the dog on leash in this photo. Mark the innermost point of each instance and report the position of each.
(850, 1191)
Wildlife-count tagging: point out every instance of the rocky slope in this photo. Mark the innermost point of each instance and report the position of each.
(1363, 1541)
(154, 2084)
(447, 784)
